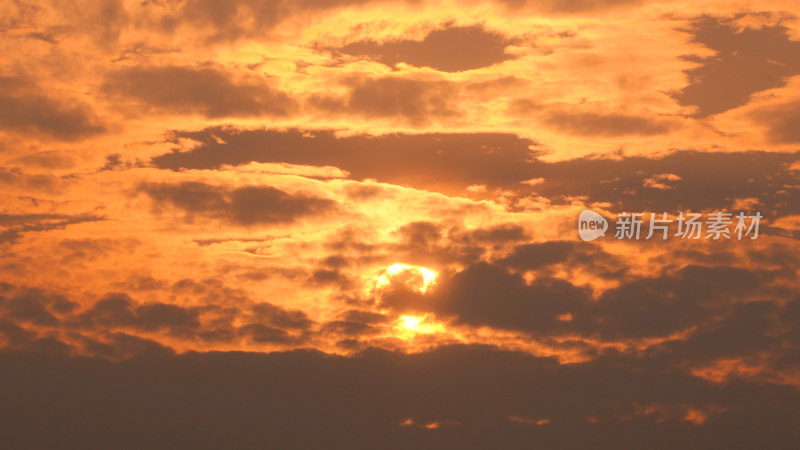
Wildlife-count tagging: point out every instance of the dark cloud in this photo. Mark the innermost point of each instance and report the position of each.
(367, 317)
(747, 61)
(18, 338)
(430, 243)
(351, 326)
(498, 234)
(29, 319)
(524, 106)
(708, 180)
(580, 122)
(449, 162)
(24, 108)
(271, 324)
(264, 334)
(541, 257)
(29, 181)
(348, 328)
(47, 160)
(280, 317)
(35, 307)
(418, 101)
(119, 310)
(478, 397)
(592, 124)
(12, 226)
(421, 234)
(246, 206)
(450, 49)
(781, 122)
(109, 328)
(667, 304)
(741, 330)
(197, 90)
(117, 346)
(330, 276)
(488, 294)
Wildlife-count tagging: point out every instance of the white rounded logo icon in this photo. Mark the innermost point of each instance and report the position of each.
(591, 225)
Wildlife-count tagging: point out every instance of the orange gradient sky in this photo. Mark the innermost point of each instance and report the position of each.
(359, 176)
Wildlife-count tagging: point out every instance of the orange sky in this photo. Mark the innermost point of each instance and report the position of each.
(360, 176)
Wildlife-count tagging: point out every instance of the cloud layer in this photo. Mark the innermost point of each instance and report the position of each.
(352, 224)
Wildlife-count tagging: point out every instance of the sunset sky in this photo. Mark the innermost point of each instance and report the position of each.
(352, 224)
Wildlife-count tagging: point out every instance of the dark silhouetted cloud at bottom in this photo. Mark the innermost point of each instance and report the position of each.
(458, 397)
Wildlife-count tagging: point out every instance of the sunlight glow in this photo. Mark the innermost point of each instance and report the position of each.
(418, 278)
(410, 326)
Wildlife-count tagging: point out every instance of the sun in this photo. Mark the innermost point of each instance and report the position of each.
(411, 323)
(417, 278)
(409, 326)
